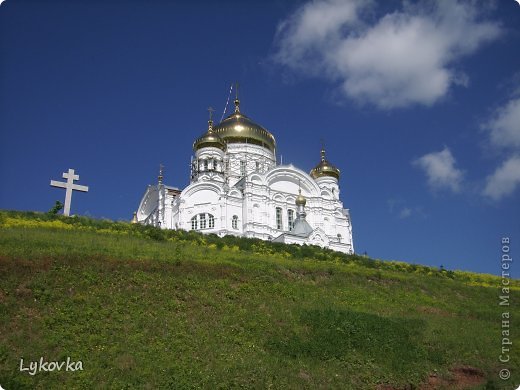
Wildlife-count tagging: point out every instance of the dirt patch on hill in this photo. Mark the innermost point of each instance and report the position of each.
(460, 378)
(434, 311)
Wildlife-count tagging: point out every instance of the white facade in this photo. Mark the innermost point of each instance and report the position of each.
(238, 188)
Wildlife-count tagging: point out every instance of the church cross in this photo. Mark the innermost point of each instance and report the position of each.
(237, 102)
(69, 187)
(160, 178)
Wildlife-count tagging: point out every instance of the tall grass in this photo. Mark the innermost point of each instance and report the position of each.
(146, 308)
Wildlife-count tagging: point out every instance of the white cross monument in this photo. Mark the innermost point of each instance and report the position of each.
(69, 187)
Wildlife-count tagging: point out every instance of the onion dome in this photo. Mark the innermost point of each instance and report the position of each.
(238, 128)
(209, 139)
(300, 199)
(134, 218)
(324, 168)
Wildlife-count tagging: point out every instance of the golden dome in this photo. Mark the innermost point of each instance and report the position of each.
(209, 139)
(238, 128)
(300, 200)
(324, 168)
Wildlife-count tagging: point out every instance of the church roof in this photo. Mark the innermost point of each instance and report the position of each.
(209, 139)
(301, 228)
(238, 128)
(324, 168)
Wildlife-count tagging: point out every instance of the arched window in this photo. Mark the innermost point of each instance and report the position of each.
(203, 221)
(234, 222)
(279, 222)
(205, 165)
(243, 167)
(290, 218)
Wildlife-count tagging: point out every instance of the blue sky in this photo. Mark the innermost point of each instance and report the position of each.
(418, 103)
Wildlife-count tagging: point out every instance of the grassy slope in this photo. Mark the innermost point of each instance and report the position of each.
(145, 310)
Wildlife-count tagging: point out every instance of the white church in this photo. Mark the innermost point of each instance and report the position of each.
(238, 188)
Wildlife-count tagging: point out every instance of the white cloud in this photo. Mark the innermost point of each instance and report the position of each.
(504, 180)
(406, 57)
(440, 170)
(405, 213)
(504, 127)
(504, 134)
(399, 208)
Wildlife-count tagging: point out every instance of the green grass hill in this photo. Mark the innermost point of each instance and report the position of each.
(143, 308)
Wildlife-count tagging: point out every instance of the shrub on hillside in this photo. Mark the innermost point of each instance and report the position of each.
(29, 219)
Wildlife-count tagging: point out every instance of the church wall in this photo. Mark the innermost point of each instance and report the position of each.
(255, 208)
(207, 160)
(199, 199)
(167, 222)
(341, 247)
(175, 215)
(245, 159)
(148, 204)
(262, 213)
(293, 240)
(238, 212)
(329, 186)
(262, 201)
(324, 214)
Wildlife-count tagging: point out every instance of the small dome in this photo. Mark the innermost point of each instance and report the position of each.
(209, 139)
(300, 199)
(324, 168)
(238, 128)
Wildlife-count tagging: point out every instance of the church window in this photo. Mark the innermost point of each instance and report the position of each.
(242, 168)
(258, 166)
(193, 169)
(290, 218)
(234, 222)
(205, 165)
(279, 222)
(203, 221)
